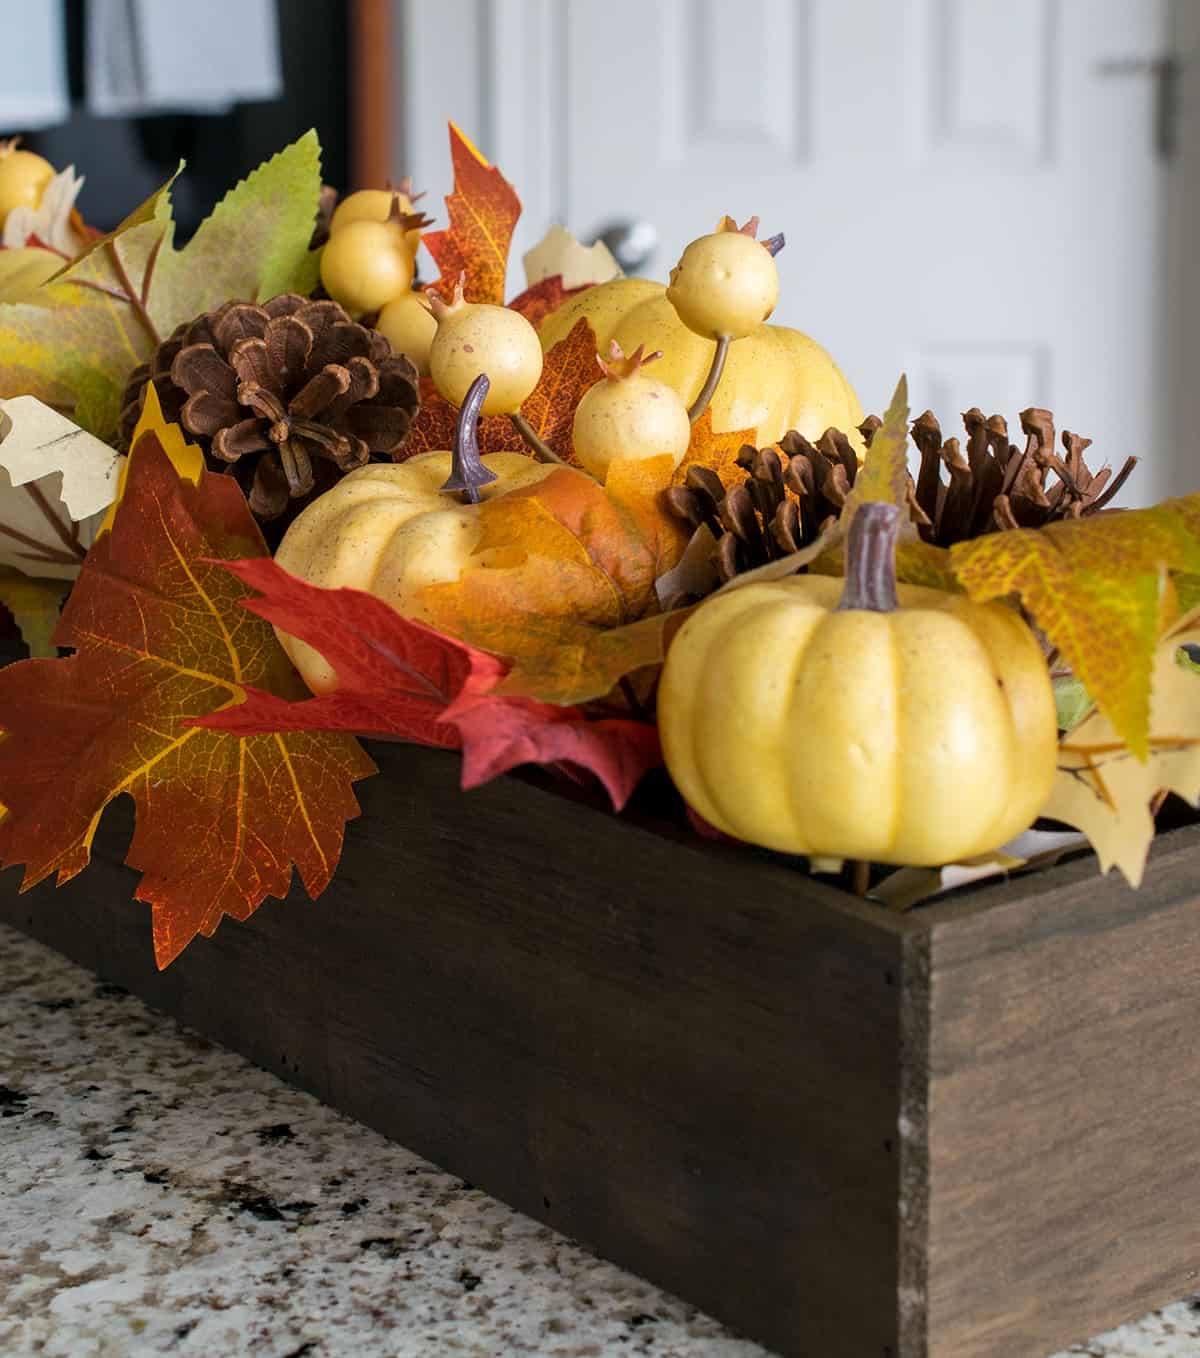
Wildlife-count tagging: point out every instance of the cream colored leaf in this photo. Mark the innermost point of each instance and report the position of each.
(55, 481)
(695, 574)
(51, 220)
(559, 254)
(1105, 791)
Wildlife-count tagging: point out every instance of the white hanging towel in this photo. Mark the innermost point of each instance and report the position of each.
(180, 56)
(33, 85)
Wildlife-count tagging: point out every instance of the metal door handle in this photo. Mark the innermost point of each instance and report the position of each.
(631, 242)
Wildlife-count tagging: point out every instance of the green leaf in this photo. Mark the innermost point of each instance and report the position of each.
(1072, 701)
(1188, 658)
(254, 245)
(884, 473)
(74, 342)
(88, 327)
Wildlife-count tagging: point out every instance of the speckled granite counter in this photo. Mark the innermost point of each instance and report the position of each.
(161, 1196)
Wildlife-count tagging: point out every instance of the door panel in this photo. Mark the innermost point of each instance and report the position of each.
(970, 188)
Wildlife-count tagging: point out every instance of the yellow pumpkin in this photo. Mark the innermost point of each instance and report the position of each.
(775, 379)
(389, 530)
(918, 734)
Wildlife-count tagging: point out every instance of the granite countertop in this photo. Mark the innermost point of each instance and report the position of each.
(159, 1195)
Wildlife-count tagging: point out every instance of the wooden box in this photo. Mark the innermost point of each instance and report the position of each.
(970, 1132)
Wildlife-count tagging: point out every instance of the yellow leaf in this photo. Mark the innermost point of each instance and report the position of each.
(1106, 792)
(24, 270)
(185, 457)
(1094, 586)
(884, 472)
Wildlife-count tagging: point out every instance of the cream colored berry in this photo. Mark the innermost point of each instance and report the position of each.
(23, 178)
(474, 338)
(378, 205)
(366, 265)
(725, 283)
(409, 325)
(628, 416)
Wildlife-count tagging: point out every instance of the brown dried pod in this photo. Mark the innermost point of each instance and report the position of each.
(995, 485)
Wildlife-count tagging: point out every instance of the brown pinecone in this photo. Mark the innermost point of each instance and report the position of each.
(790, 493)
(995, 485)
(794, 490)
(287, 396)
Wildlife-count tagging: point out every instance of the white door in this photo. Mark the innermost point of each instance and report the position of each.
(972, 190)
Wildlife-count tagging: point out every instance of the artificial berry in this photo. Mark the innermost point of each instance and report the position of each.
(378, 205)
(474, 338)
(725, 284)
(23, 178)
(366, 265)
(409, 325)
(628, 416)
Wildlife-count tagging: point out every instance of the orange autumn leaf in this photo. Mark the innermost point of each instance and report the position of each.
(590, 668)
(569, 369)
(716, 451)
(562, 562)
(160, 638)
(483, 210)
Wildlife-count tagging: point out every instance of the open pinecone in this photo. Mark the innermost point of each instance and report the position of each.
(287, 396)
(793, 490)
(790, 493)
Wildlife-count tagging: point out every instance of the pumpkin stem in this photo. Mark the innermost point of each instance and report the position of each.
(467, 472)
(708, 390)
(871, 559)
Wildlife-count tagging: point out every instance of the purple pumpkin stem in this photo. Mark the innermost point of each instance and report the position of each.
(871, 558)
(467, 472)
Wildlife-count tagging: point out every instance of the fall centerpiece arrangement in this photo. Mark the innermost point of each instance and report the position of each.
(267, 493)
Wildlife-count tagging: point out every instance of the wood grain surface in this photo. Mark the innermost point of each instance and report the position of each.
(691, 1069)
(968, 1132)
(1063, 1108)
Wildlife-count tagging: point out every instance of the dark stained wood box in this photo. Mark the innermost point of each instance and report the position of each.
(970, 1132)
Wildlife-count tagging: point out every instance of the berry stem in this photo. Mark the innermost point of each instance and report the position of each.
(708, 390)
(871, 559)
(467, 472)
(542, 451)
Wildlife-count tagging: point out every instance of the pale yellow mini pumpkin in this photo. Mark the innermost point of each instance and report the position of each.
(389, 530)
(921, 733)
(775, 379)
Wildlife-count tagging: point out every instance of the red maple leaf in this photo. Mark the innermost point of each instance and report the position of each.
(401, 679)
(540, 299)
(396, 677)
(498, 734)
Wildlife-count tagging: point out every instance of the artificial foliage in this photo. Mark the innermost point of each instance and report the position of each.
(71, 342)
(518, 593)
(159, 638)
